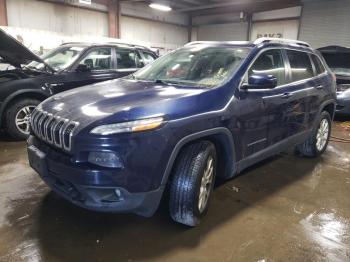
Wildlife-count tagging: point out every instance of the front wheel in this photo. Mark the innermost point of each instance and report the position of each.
(192, 183)
(17, 118)
(317, 143)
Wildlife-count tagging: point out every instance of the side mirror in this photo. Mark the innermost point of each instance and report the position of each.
(82, 68)
(261, 81)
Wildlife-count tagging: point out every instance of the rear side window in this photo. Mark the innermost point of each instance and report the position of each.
(148, 57)
(318, 65)
(98, 59)
(271, 63)
(300, 64)
(127, 58)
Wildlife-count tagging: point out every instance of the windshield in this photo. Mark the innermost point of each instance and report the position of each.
(198, 65)
(339, 63)
(59, 58)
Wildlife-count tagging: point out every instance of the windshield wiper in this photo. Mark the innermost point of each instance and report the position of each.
(34, 69)
(167, 82)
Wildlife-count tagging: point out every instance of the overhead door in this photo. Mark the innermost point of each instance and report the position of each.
(326, 23)
(278, 29)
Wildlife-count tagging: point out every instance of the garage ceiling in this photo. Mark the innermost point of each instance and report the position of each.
(199, 7)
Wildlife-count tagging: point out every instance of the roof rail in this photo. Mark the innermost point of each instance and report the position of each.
(280, 41)
(106, 42)
(218, 42)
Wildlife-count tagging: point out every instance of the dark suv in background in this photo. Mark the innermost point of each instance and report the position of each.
(26, 79)
(210, 109)
(338, 59)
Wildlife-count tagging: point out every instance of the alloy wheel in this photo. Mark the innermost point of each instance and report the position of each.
(23, 118)
(206, 184)
(322, 135)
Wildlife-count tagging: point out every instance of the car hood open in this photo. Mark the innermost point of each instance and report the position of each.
(13, 52)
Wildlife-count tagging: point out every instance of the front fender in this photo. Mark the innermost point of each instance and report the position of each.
(223, 140)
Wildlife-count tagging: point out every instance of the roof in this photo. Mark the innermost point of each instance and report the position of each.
(120, 44)
(259, 41)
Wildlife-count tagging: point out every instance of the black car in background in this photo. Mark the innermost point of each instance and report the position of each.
(26, 79)
(338, 59)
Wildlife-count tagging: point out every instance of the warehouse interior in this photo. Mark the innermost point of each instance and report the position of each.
(284, 208)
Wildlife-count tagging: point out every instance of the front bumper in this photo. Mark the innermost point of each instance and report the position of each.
(90, 189)
(343, 106)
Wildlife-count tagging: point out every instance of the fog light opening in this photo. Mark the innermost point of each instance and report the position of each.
(119, 195)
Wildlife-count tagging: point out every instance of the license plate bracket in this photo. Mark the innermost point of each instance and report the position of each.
(37, 160)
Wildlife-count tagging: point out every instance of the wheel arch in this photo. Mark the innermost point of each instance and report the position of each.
(222, 138)
(35, 94)
(330, 108)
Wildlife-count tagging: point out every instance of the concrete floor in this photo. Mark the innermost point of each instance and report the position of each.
(285, 209)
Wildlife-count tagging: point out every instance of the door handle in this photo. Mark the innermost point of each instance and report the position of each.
(286, 95)
(319, 87)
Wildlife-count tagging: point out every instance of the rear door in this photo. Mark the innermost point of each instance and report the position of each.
(288, 104)
(128, 61)
(304, 91)
(322, 82)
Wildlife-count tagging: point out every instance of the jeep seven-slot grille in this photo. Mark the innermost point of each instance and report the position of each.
(52, 129)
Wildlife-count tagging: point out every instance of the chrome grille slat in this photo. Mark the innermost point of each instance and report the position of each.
(35, 121)
(52, 129)
(47, 123)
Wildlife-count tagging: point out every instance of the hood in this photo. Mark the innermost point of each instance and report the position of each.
(334, 49)
(338, 60)
(14, 53)
(119, 100)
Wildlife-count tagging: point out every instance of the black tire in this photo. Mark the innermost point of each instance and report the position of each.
(185, 186)
(10, 117)
(309, 148)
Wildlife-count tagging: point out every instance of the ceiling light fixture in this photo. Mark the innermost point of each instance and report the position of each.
(160, 7)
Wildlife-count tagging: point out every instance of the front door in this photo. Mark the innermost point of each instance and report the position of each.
(257, 121)
(265, 122)
(96, 65)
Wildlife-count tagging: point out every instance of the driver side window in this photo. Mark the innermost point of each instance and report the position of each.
(270, 63)
(98, 59)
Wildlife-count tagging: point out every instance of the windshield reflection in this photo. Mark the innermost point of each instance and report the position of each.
(200, 65)
(59, 58)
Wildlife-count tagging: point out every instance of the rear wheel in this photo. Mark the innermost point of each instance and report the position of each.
(192, 183)
(317, 143)
(18, 116)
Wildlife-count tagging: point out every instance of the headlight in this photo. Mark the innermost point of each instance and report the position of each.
(128, 127)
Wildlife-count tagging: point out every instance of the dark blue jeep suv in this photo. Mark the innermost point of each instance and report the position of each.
(209, 109)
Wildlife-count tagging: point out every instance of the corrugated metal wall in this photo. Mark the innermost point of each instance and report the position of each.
(56, 18)
(153, 33)
(280, 29)
(326, 23)
(45, 25)
(223, 32)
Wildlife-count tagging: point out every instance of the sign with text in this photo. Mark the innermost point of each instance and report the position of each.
(275, 29)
